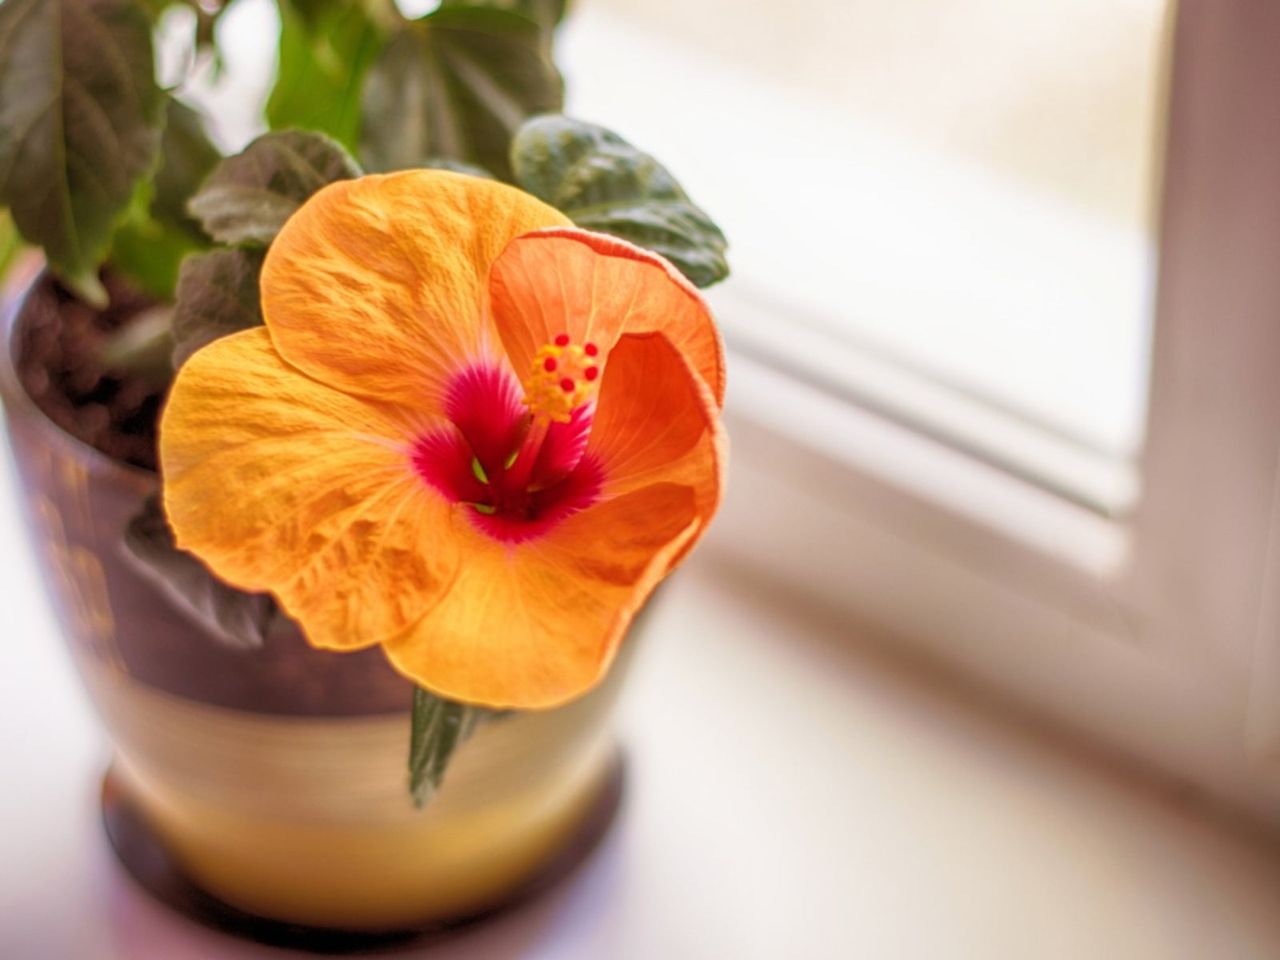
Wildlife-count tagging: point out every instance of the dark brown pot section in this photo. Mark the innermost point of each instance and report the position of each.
(78, 501)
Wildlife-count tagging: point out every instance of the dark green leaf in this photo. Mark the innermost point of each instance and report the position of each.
(457, 85)
(238, 619)
(80, 117)
(604, 183)
(187, 156)
(438, 728)
(325, 51)
(547, 14)
(157, 232)
(248, 197)
(217, 295)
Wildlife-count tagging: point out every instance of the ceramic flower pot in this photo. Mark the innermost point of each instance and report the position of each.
(274, 778)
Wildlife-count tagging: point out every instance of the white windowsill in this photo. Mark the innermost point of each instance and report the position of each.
(836, 440)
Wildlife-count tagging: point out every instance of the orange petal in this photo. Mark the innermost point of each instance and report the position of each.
(378, 286)
(281, 484)
(657, 422)
(596, 288)
(537, 625)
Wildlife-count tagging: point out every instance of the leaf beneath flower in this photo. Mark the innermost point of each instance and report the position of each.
(438, 728)
(605, 184)
(217, 295)
(248, 197)
(238, 619)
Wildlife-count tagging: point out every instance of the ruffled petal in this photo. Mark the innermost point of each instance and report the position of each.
(537, 625)
(282, 484)
(378, 286)
(596, 288)
(656, 422)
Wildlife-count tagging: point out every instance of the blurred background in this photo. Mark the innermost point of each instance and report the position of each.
(985, 175)
(982, 656)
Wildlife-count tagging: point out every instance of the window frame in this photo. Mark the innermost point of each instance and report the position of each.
(1158, 633)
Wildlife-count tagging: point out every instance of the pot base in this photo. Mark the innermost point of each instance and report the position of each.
(149, 863)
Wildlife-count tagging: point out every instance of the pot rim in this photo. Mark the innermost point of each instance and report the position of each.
(25, 276)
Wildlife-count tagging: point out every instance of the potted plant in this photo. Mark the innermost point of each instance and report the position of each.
(350, 457)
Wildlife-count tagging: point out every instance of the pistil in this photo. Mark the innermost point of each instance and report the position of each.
(519, 471)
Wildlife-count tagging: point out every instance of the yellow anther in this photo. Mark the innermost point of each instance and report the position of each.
(562, 377)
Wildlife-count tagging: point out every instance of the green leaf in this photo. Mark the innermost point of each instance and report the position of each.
(238, 619)
(10, 243)
(157, 232)
(604, 183)
(457, 85)
(217, 295)
(248, 197)
(187, 156)
(80, 117)
(146, 251)
(547, 14)
(438, 728)
(313, 12)
(325, 51)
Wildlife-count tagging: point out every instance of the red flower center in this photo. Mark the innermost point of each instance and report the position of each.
(518, 462)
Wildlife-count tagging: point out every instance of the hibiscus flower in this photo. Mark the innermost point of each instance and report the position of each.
(468, 432)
